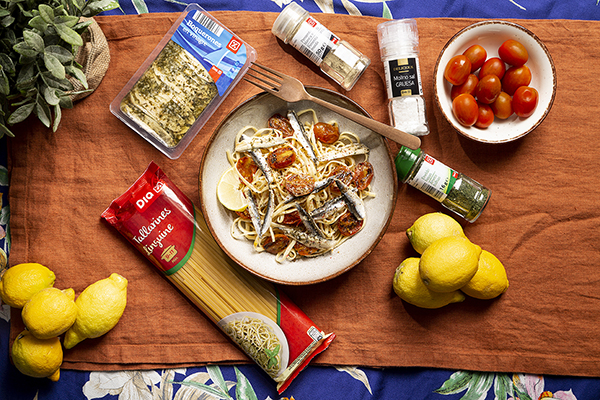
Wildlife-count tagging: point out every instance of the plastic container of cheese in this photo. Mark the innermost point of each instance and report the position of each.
(183, 81)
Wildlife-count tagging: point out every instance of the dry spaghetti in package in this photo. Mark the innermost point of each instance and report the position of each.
(183, 81)
(163, 224)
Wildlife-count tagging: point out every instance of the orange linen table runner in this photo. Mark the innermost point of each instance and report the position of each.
(542, 221)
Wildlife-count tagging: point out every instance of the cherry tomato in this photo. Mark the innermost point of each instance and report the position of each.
(493, 66)
(515, 77)
(275, 246)
(488, 88)
(465, 109)
(348, 225)
(457, 70)
(326, 133)
(513, 52)
(281, 157)
(244, 214)
(305, 251)
(468, 87)
(502, 106)
(477, 55)
(299, 184)
(246, 167)
(362, 175)
(292, 218)
(342, 173)
(282, 124)
(485, 117)
(525, 101)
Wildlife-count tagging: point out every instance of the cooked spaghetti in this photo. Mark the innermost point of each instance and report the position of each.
(258, 340)
(302, 187)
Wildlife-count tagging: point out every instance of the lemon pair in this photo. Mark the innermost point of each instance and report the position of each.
(450, 266)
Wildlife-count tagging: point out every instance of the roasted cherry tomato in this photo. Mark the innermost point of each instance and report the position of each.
(362, 175)
(246, 167)
(502, 106)
(305, 251)
(342, 173)
(468, 87)
(457, 70)
(516, 77)
(326, 133)
(513, 52)
(292, 218)
(485, 117)
(477, 55)
(488, 88)
(465, 109)
(281, 157)
(299, 184)
(525, 101)
(282, 124)
(493, 66)
(348, 225)
(275, 246)
(243, 214)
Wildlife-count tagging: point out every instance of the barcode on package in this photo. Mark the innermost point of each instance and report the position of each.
(208, 23)
(315, 334)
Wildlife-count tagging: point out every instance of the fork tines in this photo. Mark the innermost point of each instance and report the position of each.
(273, 78)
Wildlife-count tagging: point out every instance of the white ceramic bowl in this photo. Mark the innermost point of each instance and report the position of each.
(490, 35)
(256, 111)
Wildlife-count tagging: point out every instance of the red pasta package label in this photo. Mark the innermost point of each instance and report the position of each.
(165, 226)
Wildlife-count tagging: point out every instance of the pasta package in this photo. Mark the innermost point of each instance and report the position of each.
(162, 223)
(183, 81)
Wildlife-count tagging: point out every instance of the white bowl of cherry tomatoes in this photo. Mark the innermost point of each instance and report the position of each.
(494, 81)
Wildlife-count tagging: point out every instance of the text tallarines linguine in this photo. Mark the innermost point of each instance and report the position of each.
(165, 226)
(305, 184)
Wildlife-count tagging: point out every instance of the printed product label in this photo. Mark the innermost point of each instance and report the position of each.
(161, 227)
(434, 178)
(403, 77)
(314, 40)
(220, 52)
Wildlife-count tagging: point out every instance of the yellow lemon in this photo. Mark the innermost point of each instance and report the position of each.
(229, 191)
(22, 281)
(490, 280)
(449, 263)
(40, 358)
(409, 286)
(100, 306)
(50, 312)
(430, 227)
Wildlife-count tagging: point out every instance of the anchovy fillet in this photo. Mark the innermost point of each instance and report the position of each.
(266, 224)
(300, 135)
(257, 142)
(308, 221)
(355, 204)
(328, 208)
(307, 238)
(253, 210)
(348, 151)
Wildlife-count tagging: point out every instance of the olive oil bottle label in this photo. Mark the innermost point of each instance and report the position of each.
(219, 51)
(403, 77)
(434, 178)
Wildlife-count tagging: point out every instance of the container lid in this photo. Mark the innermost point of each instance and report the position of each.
(398, 38)
(287, 20)
(405, 160)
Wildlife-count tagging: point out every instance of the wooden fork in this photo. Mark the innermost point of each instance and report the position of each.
(292, 90)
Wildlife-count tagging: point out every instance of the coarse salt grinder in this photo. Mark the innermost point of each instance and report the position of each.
(399, 48)
(336, 58)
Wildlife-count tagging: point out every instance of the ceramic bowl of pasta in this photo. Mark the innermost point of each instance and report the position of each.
(509, 89)
(296, 193)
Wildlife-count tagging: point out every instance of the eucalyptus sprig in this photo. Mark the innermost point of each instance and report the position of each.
(38, 44)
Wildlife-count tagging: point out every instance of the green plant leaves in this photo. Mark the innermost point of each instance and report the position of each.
(41, 38)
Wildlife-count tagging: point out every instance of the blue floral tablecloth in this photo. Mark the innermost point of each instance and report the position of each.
(316, 382)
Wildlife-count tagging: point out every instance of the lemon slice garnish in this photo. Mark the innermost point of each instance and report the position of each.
(229, 191)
